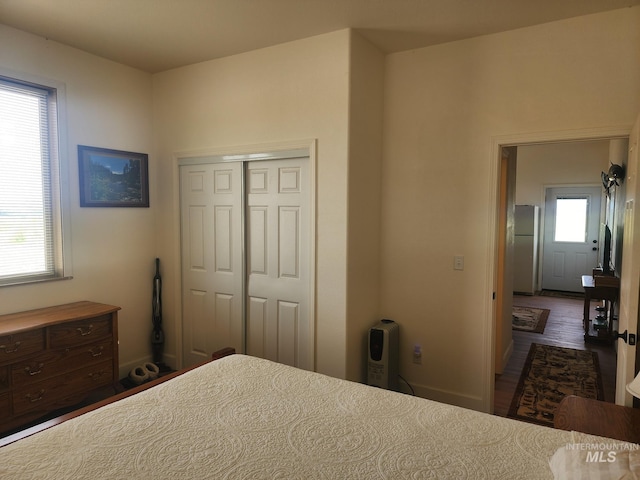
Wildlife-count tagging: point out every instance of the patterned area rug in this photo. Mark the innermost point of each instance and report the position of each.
(551, 373)
(529, 319)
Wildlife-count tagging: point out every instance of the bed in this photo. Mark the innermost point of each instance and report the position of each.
(244, 417)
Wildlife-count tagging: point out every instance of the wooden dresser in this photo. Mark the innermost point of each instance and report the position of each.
(54, 357)
(598, 418)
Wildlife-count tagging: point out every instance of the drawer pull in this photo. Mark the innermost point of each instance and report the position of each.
(35, 397)
(96, 352)
(85, 331)
(8, 349)
(34, 372)
(96, 376)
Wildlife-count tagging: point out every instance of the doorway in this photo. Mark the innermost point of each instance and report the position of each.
(247, 256)
(554, 163)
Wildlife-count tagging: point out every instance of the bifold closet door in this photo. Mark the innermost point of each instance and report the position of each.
(279, 323)
(212, 263)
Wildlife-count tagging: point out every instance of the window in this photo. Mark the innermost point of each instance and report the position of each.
(571, 220)
(31, 247)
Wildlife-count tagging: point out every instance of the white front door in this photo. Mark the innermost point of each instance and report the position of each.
(630, 272)
(571, 229)
(278, 310)
(247, 260)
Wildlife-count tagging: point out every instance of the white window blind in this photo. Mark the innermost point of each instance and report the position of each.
(30, 238)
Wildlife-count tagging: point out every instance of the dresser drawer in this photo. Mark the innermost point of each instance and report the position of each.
(83, 331)
(20, 345)
(4, 379)
(5, 412)
(62, 390)
(56, 362)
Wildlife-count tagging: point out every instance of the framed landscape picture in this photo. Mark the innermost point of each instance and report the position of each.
(113, 178)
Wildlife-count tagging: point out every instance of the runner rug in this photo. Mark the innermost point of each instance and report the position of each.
(529, 319)
(551, 373)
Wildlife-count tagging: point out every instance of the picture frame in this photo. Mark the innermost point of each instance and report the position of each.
(113, 178)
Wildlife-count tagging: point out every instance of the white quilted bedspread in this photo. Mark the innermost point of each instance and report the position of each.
(242, 417)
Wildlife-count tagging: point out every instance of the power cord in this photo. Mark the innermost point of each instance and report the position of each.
(408, 385)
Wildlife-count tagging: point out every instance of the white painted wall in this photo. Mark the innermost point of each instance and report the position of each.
(364, 180)
(113, 249)
(444, 107)
(563, 163)
(289, 92)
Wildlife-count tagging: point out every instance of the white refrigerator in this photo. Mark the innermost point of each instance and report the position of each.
(525, 268)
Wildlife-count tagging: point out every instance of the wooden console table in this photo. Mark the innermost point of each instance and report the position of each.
(608, 291)
(598, 418)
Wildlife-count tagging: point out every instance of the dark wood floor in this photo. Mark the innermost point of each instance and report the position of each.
(564, 329)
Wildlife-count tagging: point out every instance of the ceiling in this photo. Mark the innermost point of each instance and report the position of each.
(157, 35)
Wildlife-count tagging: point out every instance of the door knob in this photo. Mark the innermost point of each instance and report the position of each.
(629, 338)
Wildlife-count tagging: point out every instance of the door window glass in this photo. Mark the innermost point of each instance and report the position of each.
(571, 220)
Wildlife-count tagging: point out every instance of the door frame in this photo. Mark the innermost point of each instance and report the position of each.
(498, 142)
(244, 153)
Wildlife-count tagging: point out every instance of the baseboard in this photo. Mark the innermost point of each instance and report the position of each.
(449, 397)
(506, 356)
(125, 368)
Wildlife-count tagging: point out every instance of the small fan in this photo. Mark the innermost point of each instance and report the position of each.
(612, 177)
(616, 172)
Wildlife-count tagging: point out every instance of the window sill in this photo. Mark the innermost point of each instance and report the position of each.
(30, 281)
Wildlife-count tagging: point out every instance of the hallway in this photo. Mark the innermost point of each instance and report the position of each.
(563, 329)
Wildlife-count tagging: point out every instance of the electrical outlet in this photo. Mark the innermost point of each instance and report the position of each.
(417, 354)
(458, 262)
